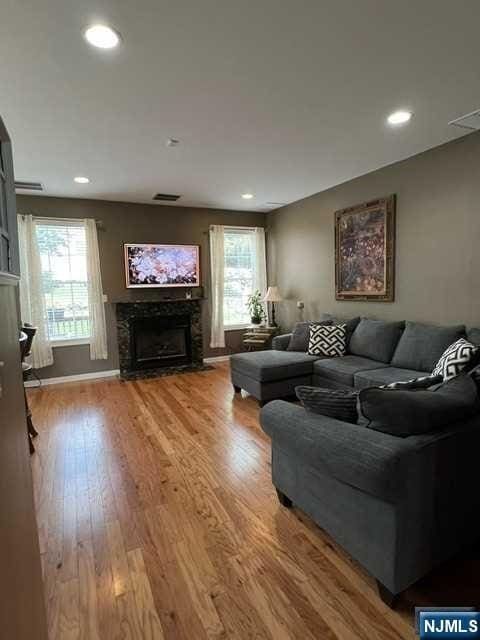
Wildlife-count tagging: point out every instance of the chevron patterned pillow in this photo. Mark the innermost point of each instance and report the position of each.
(455, 358)
(327, 340)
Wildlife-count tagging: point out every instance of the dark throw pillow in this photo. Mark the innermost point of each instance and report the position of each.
(301, 335)
(335, 403)
(457, 357)
(403, 413)
(415, 383)
(475, 375)
(327, 340)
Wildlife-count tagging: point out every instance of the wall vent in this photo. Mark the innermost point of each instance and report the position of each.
(469, 121)
(166, 197)
(28, 186)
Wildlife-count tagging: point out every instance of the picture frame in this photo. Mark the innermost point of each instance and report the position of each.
(365, 251)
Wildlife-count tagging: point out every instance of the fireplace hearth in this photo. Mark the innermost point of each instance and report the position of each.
(159, 337)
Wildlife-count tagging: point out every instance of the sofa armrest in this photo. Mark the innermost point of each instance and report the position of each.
(280, 343)
(372, 461)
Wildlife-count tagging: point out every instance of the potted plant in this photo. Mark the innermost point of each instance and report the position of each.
(255, 307)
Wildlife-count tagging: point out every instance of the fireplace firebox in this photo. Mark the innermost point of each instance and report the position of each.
(160, 341)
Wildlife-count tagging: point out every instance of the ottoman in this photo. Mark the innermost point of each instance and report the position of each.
(268, 375)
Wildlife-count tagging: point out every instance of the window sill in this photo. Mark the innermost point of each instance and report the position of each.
(70, 343)
(236, 327)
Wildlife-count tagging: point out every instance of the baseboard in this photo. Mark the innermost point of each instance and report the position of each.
(75, 378)
(98, 374)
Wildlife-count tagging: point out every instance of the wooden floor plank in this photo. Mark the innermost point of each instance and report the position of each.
(158, 520)
(149, 621)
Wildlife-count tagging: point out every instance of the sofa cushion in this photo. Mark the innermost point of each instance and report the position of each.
(350, 322)
(386, 375)
(405, 413)
(265, 366)
(342, 370)
(375, 463)
(473, 336)
(375, 339)
(339, 404)
(421, 345)
(301, 335)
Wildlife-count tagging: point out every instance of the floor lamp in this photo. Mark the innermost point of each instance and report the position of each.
(273, 296)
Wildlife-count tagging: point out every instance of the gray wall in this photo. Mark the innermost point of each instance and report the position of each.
(437, 251)
(124, 222)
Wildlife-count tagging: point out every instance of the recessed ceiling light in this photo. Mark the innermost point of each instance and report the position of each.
(81, 180)
(399, 117)
(102, 36)
(247, 196)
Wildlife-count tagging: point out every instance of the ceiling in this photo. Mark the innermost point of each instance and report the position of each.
(281, 98)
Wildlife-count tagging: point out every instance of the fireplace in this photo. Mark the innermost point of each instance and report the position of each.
(159, 337)
(160, 341)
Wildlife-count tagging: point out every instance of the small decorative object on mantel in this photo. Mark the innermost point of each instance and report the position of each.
(365, 251)
(273, 295)
(188, 294)
(255, 307)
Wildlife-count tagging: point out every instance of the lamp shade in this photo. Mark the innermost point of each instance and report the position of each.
(272, 295)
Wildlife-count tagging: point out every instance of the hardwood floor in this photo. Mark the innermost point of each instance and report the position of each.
(157, 519)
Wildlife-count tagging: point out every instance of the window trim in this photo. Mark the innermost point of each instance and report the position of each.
(66, 222)
(236, 327)
(240, 230)
(69, 342)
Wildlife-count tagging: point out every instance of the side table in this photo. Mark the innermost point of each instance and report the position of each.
(259, 338)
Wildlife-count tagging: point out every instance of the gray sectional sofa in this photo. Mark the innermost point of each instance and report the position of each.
(398, 505)
(377, 353)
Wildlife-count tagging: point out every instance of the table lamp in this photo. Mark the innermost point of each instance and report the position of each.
(273, 296)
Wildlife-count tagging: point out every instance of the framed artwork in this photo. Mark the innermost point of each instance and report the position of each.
(162, 265)
(365, 251)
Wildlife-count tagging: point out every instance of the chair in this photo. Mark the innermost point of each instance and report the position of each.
(26, 339)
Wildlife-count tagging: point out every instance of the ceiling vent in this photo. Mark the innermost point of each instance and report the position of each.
(470, 121)
(166, 197)
(28, 186)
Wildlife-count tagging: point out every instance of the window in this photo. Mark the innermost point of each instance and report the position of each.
(241, 276)
(62, 247)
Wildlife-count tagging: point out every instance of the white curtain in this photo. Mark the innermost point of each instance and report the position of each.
(98, 332)
(260, 263)
(32, 301)
(217, 260)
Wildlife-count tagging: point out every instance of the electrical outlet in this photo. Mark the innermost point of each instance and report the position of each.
(105, 297)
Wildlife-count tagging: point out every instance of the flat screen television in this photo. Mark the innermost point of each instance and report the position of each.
(162, 265)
